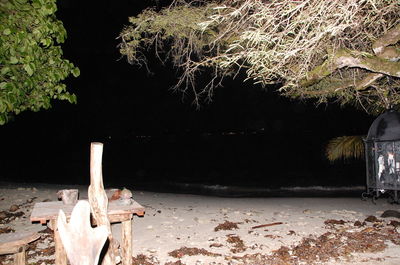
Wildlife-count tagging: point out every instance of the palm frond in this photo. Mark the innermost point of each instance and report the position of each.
(345, 147)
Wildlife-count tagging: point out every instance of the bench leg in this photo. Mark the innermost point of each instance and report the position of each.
(60, 255)
(20, 257)
(127, 242)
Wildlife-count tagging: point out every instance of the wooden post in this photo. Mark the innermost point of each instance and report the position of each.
(126, 247)
(20, 257)
(98, 199)
(60, 255)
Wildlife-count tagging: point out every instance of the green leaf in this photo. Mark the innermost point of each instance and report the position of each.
(13, 60)
(7, 32)
(28, 69)
(2, 107)
(5, 70)
(76, 72)
(2, 119)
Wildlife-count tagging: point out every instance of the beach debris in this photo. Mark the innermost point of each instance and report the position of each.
(185, 251)
(291, 232)
(372, 219)
(266, 225)
(327, 247)
(30, 200)
(123, 196)
(237, 242)
(359, 224)
(178, 262)
(250, 221)
(68, 196)
(8, 217)
(390, 213)
(272, 236)
(142, 259)
(216, 245)
(333, 222)
(42, 251)
(14, 208)
(6, 230)
(116, 194)
(394, 223)
(227, 225)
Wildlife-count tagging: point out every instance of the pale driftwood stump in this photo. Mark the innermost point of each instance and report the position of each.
(98, 199)
(82, 243)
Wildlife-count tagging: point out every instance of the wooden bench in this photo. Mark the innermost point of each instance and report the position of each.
(15, 243)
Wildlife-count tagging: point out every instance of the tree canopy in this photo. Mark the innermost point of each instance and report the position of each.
(344, 51)
(31, 61)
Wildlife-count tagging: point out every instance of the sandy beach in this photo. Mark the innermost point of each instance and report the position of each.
(193, 229)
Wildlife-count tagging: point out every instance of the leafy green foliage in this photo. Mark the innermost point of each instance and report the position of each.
(31, 61)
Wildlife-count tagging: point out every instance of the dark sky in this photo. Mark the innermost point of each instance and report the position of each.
(122, 101)
(118, 98)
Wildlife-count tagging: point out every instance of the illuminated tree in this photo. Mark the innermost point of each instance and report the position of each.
(31, 60)
(345, 51)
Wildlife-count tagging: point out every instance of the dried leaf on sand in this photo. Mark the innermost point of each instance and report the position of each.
(179, 253)
(227, 225)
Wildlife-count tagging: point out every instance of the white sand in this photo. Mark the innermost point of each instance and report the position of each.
(173, 221)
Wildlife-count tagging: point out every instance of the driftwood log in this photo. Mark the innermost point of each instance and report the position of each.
(98, 199)
(82, 243)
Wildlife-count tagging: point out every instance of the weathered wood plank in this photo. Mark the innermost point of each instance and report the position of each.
(44, 211)
(11, 243)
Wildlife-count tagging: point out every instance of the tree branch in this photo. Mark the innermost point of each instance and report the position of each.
(344, 58)
(367, 81)
(390, 38)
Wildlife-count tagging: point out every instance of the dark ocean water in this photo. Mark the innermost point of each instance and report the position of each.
(252, 165)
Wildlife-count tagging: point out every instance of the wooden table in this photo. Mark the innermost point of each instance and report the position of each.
(48, 211)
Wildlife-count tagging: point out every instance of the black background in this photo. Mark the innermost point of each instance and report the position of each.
(246, 137)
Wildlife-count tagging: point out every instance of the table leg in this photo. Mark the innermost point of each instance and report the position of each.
(20, 257)
(127, 242)
(61, 256)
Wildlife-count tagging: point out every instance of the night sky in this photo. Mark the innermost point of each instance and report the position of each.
(246, 136)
